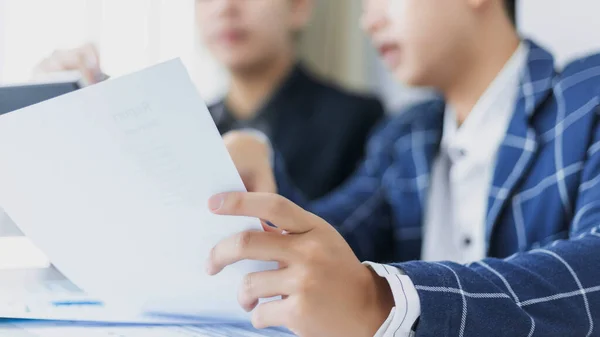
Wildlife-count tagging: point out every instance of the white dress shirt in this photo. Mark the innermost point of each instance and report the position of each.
(461, 178)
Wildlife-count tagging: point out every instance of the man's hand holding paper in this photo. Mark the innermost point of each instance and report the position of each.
(322, 281)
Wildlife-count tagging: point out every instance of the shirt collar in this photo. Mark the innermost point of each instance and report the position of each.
(491, 114)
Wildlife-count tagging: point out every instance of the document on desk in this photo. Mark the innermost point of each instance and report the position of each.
(62, 301)
(61, 330)
(111, 182)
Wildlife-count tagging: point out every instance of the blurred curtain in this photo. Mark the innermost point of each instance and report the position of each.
(334, 45)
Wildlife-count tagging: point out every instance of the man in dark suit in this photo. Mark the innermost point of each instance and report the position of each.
(319, 129)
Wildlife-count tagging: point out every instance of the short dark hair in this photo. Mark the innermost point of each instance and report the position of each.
(511, 10)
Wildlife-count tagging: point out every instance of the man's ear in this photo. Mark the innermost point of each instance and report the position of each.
(301, 13)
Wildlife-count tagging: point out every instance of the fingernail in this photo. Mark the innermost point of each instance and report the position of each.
(216, 202)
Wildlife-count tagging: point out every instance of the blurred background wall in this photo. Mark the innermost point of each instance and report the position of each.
(568, 28)
(132, 34)
(334, 42)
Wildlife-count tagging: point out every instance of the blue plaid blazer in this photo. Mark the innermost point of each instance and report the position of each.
(542, 277)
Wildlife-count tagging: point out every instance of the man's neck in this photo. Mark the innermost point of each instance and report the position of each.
(249, 89)
(481, 68)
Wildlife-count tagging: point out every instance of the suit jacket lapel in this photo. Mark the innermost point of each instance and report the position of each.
(518, 149)
(417, 135)
(424, 150)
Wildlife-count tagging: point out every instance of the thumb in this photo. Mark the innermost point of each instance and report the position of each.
(260, 181)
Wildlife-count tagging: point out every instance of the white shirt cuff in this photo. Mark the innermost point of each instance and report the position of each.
(408, 306)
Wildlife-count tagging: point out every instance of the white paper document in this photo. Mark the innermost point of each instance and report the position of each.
(111, 182)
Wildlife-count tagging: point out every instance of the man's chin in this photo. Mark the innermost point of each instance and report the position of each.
(410, 78)
(406, 78)
(242, 66)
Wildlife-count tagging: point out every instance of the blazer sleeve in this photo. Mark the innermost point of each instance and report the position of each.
(358, 208)
(553, 291)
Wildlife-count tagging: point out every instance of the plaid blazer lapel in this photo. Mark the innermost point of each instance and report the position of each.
(418, 137)
(518, 149)
(424, 150)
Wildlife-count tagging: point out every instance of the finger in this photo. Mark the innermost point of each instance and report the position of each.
(86, 67)
(93, 53)
(270, 228)
(44, 66)
(52, 64)
(248, 246)
(264, 285)
(271, 314)
(67, 59)
(263, 183)
(270, 207)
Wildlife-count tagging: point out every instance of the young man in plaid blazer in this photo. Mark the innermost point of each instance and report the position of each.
(500, 179)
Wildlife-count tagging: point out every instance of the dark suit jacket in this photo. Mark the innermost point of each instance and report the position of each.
(319, 129)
